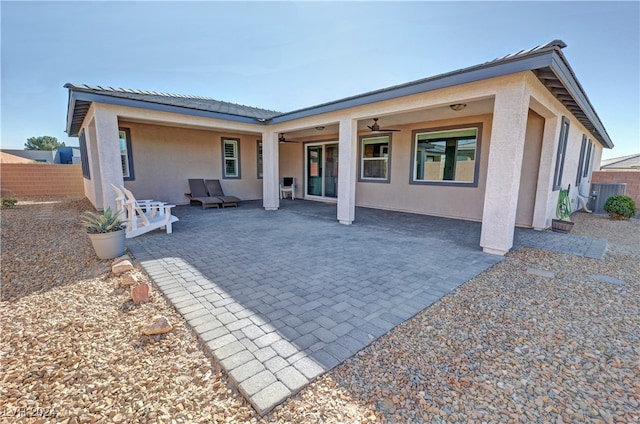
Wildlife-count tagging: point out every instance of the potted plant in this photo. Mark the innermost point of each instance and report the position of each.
(106, 232)
(620, 207)
(563, 211)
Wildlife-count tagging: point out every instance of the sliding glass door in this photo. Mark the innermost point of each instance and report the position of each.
(321, 174)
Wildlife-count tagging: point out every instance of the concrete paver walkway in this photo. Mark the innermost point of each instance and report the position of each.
(282, 297)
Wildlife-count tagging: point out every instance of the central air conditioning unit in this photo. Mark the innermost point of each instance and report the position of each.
(600, 192)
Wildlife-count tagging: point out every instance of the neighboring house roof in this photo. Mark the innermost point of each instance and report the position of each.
(9, 158)
(622, 162)
(33, 155)
(546, 61)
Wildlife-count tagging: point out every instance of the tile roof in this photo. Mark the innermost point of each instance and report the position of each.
(180, 100)
(546, 61)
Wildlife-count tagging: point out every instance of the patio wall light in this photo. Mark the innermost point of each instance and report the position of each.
(458, 106)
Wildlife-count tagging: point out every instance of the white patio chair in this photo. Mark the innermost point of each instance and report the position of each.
(584, 195)
(150, 207)
(147, 215)
(288, 186)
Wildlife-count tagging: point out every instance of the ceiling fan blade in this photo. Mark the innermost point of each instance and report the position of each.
(387, 129)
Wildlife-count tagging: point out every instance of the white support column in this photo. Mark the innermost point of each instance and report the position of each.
(270, 171)
(347, 169)
(503, 174)
(544, 206)
(108, 150)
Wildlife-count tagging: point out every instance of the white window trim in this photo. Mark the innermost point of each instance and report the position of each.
(386, 159)
(235, 159)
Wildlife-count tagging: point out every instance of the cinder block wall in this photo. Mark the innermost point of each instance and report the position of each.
(34, 179)
(631, 178)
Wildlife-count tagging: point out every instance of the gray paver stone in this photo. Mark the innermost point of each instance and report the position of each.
(267, 339)
(292, 378)
(215, 336)
(275, 364)
(237, 359)
(325, 335)
(284, 348)
(254, 384)
(246, 370)
(228, 349)
(270, 396)
(309, 368)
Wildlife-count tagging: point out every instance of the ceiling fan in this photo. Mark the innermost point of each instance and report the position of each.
(282, 139)
(376, 127)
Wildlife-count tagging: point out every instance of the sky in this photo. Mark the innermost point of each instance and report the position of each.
(289, 55)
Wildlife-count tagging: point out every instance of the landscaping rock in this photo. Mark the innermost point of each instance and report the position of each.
(160, 325)
(122, 267)
(127, 280)
(505, 347)
(140, 293)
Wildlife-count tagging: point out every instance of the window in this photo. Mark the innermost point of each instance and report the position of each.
(587, 160)
(581, 160)
(231, 157)
(447, 156)
(126, 159)
(84, 156)
(259, 159)
(374, 158)
(562, 150)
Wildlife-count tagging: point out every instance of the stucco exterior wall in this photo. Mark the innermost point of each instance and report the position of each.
(548, 106)
(530, 169)
(399, 194)
(165, 157)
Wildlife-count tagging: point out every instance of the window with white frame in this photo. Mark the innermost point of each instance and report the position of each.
(447, 156)
(374, 158)
(562, 151)
(126, 159)
(231, 157)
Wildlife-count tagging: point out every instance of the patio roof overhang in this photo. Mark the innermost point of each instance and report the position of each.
(547, 62)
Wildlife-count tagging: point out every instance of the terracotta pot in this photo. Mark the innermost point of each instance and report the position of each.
(108, 245)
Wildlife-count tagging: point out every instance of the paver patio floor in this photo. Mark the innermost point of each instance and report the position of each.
(281, 297)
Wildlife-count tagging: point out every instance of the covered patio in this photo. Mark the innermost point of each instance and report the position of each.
(282, 297)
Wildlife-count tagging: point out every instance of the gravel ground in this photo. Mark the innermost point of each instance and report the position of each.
(507, 346)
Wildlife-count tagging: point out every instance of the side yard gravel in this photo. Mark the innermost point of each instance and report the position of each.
(508, 346)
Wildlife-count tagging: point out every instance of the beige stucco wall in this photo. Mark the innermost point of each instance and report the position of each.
(529, 170)
(165, 157)
(449, 201)
(547, 105)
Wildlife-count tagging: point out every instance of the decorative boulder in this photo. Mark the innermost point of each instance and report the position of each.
(140, 293)
(160, 325)
(122, 267)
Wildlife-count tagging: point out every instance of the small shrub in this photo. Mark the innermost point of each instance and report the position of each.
(620, 207)
(105, 222)
(8, 202)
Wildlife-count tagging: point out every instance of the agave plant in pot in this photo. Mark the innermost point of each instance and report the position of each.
(106, 232)
(563, 211)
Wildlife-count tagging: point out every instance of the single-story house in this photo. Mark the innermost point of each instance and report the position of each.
(492, 143)
(60, 155)
(622, 163)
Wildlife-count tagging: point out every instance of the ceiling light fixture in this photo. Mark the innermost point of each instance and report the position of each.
(320, 128)
(458, 106)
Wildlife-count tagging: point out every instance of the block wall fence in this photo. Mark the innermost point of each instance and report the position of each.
(631, 178)
(35, 179)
